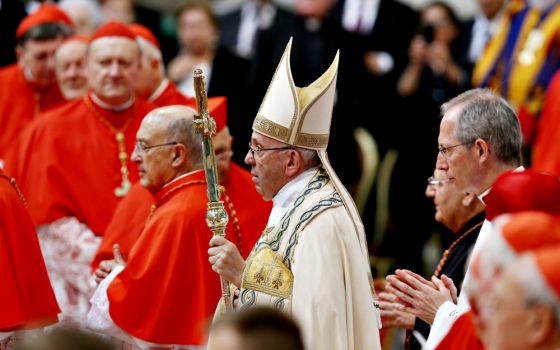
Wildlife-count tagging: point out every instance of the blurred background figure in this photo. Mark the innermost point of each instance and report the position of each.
(384, 57)
(226, 74)
(436, 72)
(70, 67)
(240, 28)
(255, 329)
(86, 14)
(521, 58)
(485, 25)
(66, 339)
(151, 83)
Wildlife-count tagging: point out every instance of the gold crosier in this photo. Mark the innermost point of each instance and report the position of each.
(216, 215)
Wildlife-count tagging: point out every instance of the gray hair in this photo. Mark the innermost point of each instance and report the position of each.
(487, 116)
(309, 156)
(150, 51)
(528, 276)
(181, 130)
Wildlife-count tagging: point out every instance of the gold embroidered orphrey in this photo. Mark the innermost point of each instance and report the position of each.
(268, 274)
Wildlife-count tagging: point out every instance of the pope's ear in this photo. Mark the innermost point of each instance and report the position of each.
(294, 163)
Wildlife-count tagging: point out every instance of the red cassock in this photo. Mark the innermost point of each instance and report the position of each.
(167, 292)
(130, 216)
(68, 161)
(171, 96)
(462, 335)
(546, 152)
(26, 296)
(20, 103)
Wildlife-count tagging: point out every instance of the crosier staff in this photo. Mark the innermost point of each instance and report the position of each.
(216, 215)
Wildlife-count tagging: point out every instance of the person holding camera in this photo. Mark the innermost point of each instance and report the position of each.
(436, 56)
(437, 70)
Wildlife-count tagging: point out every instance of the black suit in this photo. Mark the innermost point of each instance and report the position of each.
(229, 78)
(392, 31)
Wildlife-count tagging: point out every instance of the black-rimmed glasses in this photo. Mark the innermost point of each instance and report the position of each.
(256, 150)
(140, 149)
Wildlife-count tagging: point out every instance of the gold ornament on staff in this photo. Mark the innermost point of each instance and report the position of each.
(216, 215)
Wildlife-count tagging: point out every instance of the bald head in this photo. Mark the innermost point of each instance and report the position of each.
(167, 146)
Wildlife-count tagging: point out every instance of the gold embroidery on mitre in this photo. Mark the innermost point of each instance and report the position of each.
(271, 129)
(265, 272)
(312, 140)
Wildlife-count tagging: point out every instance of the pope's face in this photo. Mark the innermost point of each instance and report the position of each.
(113, 64)
(267, 167)
(70, 60)
(37, 58)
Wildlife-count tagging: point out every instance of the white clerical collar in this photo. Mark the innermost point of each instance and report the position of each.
(160, 89)
(485, 193)
(182, 176)
(107, 106)
(287, 195)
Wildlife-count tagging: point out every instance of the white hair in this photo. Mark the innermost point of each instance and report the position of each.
(151, 52)
(494, 254)
(535, 288)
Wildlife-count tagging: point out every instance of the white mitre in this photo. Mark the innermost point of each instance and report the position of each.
(301, 117)
(298, 116)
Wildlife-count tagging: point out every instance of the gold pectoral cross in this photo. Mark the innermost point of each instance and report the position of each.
(125, 184)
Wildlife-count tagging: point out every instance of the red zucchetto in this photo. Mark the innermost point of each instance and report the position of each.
(112, 28)
(47, 13)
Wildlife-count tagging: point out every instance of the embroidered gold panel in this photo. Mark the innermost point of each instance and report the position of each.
(265, 272)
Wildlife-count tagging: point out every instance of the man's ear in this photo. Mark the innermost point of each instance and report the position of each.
(294, 163)
(483, 150)
(468, 199)
(540, 323)
(179, 156)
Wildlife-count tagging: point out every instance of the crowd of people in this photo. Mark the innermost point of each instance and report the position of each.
(103, 188)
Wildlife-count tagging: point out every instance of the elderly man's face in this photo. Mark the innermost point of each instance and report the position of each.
(113, 64)
(267, 166)
(37, 58)
(448, 202)
(505, 317)
(153, 153)
(457, 160)
(70, 62)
